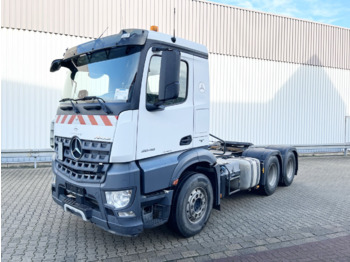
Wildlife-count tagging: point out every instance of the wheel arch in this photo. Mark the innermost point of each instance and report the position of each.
(284, 150)
(198, 161)
(263, 154)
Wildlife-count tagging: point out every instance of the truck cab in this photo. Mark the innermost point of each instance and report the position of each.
(131, 137)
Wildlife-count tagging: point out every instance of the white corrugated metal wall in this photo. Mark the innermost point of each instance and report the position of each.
(267, 102)
(273, 79)
(223, 29)
(29, 92)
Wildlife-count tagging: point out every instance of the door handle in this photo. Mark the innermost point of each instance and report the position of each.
(186, 140)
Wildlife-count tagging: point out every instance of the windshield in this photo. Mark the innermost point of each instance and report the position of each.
(109, 74)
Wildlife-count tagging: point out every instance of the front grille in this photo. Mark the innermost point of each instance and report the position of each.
(91, 167)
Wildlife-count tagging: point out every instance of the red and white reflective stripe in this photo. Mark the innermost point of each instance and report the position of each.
(95, 120)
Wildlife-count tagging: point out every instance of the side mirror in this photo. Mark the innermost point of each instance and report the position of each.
(169, 84)
(55, 65)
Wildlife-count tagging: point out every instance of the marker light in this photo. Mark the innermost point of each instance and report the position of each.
(154, 28)
(53, 179)
(175, 182)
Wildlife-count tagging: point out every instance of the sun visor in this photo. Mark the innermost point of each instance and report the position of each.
(125, 37)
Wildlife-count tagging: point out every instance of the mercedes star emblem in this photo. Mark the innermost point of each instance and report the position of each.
(76, 148)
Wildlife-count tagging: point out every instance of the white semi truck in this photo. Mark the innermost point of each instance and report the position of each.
(132, 143)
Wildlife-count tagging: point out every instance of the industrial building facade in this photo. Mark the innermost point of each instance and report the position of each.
(274, 79)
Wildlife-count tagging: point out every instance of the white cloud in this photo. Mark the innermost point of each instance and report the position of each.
(246, 4)
(324, 11)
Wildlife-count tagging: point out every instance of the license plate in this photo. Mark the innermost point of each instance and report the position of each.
(75, 189)
(60, 151)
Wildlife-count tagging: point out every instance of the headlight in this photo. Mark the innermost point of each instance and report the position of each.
(118, 199)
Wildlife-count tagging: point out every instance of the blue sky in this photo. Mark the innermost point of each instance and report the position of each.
(334, 12)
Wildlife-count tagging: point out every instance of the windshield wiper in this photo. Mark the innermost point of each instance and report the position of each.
(76, 110)
(99, 99)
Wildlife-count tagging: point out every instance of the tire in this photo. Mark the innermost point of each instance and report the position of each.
(290, 168)
(192, 205)
(272, 173)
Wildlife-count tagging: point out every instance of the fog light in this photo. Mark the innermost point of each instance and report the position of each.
(126, 214)
(118, 199)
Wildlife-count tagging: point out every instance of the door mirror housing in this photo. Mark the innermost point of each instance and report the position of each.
(169, 84)
(55, 65)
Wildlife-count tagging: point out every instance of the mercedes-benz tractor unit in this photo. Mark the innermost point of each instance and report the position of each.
(132, 143)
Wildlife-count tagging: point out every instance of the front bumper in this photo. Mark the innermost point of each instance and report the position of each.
(88, 201)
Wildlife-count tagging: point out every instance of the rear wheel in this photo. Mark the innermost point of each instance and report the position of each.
(291, 167)
(272, 173)
(192, 206)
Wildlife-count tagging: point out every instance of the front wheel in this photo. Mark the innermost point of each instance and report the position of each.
(192, 205)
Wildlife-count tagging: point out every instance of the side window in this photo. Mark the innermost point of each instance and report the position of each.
(153, 82)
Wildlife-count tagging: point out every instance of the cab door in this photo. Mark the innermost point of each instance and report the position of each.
(170, 129)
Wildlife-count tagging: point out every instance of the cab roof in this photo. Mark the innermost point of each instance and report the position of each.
(132, 37)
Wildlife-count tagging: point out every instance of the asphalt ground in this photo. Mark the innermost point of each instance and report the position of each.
(308, 221)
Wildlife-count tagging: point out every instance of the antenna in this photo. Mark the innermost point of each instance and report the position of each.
(173, 39)
(102, 33)
(121, 16)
